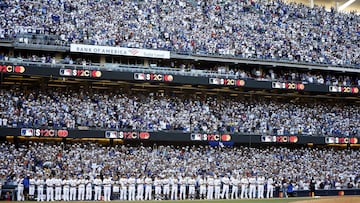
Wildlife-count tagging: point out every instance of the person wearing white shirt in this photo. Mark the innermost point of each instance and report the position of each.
(174, 187)
(20, 188)
(73, 185)
(182, 182)
(140, 188)
(148, 188)
(66, 188)
(270, 188)
(234, 181)
(88, 185)
(166, 187)
(225, 191)
(217, 183)
(192, 183)
(252, 188)
(244, 187)
(57, 183)
(40, 188)
(97, 183)
(116, 187)
(157, 185)
(260, 184)
(31, 187)
(49, 189)
(210, 187)
(107, 188)
(202, 184)
(124, 186)
(81, 188)
(131, 183)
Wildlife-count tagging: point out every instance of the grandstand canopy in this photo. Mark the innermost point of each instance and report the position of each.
(355, 6)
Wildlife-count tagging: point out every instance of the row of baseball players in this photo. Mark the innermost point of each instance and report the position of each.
(144, 187)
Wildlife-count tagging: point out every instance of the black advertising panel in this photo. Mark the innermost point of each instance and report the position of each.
(174, 136)
(174, 77)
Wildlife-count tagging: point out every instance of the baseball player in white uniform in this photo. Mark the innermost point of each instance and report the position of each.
(252, 188)
(166, 187)
(148, 188)
(157, 185)
(131, 183)
(81, 188)
(88, 185)
(31, 187)
(20, 188)
(210, 187)
(182, 182)
(192, 183)
(140, 188)
(225, 191)
(202, 184)
(49, 189)
(234, 181)
(244, 187)
(107, 188)
(260, 185)
(73, 186)
(97, 183)
(217, 183)
(57, 183)
(174, 187)
(40, 188)
(66, 188)
(124, 187)
(270, 188)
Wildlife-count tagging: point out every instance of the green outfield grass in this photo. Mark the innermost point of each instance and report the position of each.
(274, 200)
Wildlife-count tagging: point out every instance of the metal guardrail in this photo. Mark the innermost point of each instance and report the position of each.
(53, 42)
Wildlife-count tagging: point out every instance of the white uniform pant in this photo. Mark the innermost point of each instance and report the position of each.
(166, 191)
(32, 190)
(182, 192)
(66, 194)
(49, 194)
(72, 193)
(244, 191)
(57, 193)
(252, 192)
(132, 193)
(107, 193)
(260, 191)
(174, 192)
(210, 192)
(157, 192)
(191, 192)
(148, 191)
(270, 191)
(81, 193)
(202, 191)
(234, 192)
(88, 192)
(217, 192)
(140, 192)
(123, 193)
(20, 194)
(97, 193)
(40, 193)
(225, 192)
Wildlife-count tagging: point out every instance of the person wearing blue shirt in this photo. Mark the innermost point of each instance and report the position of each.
(290, 189)
(26, 184)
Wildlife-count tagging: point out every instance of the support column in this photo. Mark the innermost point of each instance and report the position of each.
(311, 3)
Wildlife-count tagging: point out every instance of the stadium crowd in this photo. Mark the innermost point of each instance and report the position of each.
(249, 29)
(120, 169)
(121, 109)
